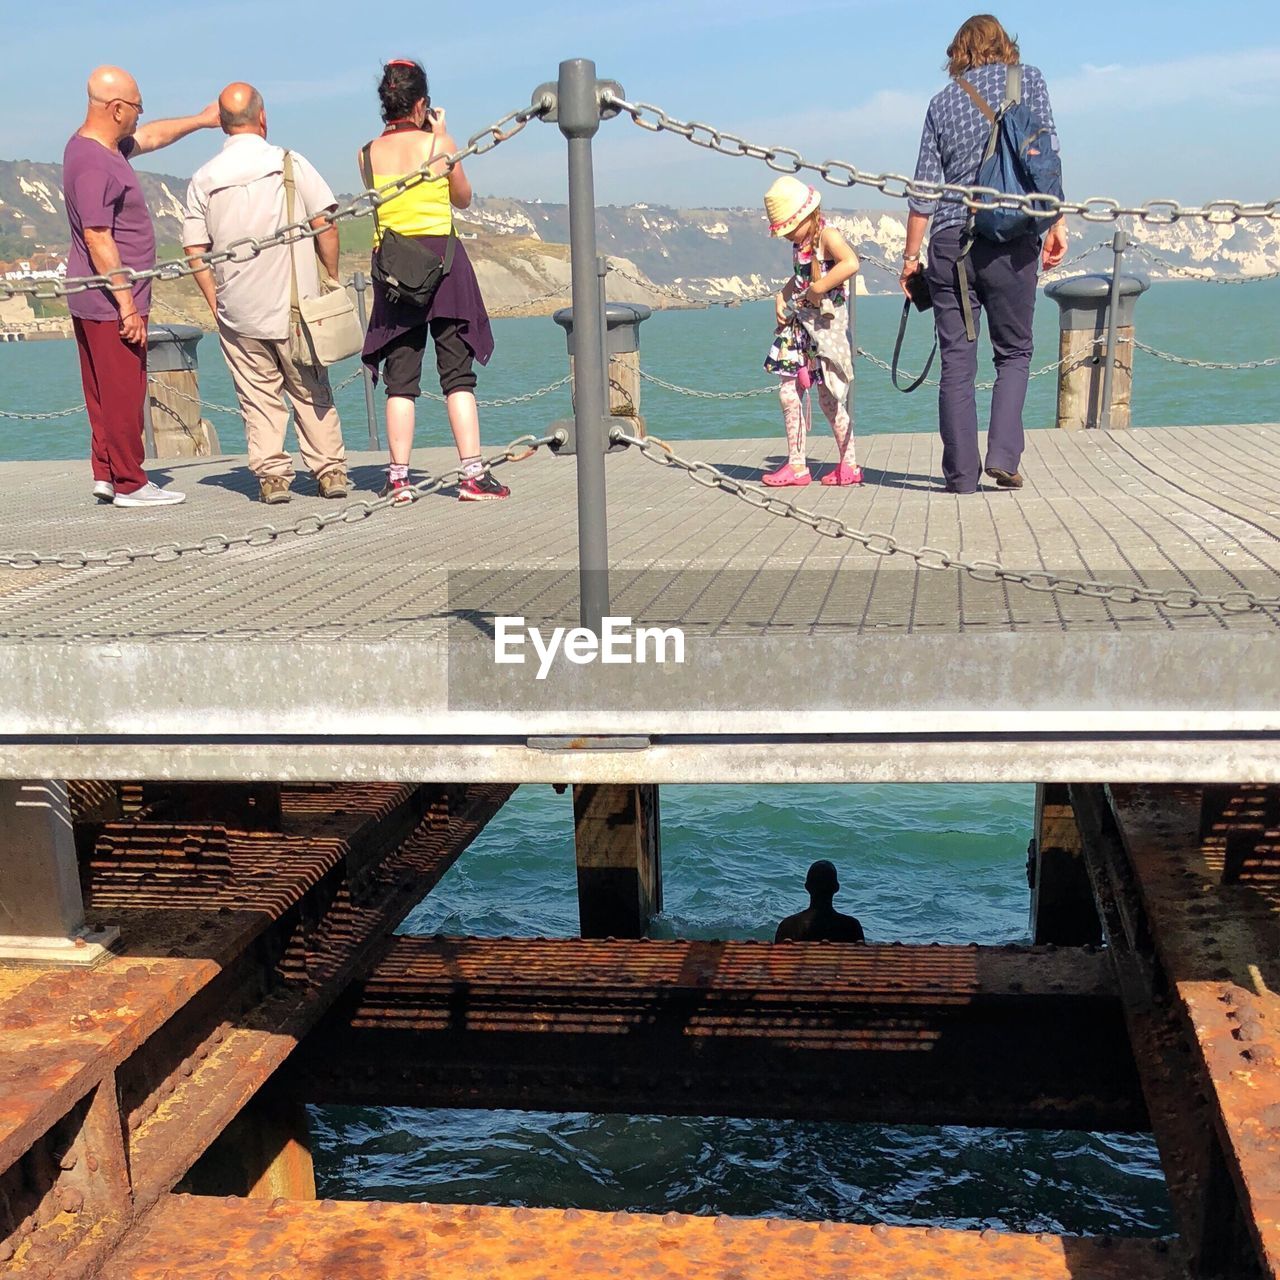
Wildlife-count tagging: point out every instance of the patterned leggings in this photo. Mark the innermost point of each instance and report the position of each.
(793, 419)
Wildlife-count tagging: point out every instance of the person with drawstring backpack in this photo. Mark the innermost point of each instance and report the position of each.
(993, 120)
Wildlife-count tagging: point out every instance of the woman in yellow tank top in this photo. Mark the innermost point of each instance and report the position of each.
(456, 321)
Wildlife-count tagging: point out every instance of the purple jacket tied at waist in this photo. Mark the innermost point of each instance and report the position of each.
(458, 298)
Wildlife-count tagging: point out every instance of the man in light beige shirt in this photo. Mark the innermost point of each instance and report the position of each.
(240, 192)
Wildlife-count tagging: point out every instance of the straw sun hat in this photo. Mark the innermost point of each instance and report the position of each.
(788, 203)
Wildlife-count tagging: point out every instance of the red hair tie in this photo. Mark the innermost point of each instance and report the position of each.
(402, 62)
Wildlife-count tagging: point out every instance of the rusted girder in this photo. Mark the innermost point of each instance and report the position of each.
(200, 1239)
(1214, 918)
(219, 976)
(1204, 1203)
(898, 1034)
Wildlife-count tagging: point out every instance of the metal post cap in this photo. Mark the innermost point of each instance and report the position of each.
(171, 348)
(1084, 299)
(622, 321)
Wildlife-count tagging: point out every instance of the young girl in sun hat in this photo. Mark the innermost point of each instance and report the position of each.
(811, 345)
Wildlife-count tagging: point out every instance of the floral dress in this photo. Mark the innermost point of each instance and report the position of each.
(816, 336)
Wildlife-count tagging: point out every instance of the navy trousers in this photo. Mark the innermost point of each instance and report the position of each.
(1002, 283)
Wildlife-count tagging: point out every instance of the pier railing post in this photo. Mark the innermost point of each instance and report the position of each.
(1118, 245)
(1095, 348)
(172, 423)
(578, 95)
(360, 283)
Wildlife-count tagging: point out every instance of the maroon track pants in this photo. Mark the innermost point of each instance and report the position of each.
(115, 390)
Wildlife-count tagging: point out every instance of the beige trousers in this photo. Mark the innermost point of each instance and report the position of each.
(263, 375)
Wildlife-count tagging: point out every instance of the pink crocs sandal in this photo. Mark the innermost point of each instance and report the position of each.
(785, 478)
(842, 475)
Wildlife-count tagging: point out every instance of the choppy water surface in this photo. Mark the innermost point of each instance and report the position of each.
(919, 864)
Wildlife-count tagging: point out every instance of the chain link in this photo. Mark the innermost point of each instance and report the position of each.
(249, 247)
(935, 558)
(506, 401)
(1191, 363)
(706, 395)
(840, 173)
(158, 301)
(264, 535)
(42, 417)
(1199, 273)
(512, 307)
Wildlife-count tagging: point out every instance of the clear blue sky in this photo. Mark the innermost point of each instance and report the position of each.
(1152, 99)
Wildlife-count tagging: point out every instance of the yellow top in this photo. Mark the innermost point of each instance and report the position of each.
(423, 210)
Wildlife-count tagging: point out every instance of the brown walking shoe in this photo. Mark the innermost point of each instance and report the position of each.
(273, 490)
(334, 484)
(1005, 479)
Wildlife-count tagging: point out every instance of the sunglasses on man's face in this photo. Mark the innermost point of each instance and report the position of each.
(137, 106)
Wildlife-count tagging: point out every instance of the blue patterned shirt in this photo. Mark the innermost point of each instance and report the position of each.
(956, 132)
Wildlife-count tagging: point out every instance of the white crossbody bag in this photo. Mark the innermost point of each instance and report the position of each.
(325, 329)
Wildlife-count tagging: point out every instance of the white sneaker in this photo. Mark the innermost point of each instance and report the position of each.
(104, 490)
(150, 495)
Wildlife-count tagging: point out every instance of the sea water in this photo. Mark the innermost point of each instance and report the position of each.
(917, 863)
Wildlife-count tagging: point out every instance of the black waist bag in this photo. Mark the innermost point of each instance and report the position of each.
(405, 267)
(408, 270)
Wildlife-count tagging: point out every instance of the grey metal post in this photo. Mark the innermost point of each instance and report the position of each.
(1119, 243)
(578, 108)
(360, 284)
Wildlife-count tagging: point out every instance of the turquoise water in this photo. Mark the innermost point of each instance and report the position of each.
(721, 349)
(918, 864)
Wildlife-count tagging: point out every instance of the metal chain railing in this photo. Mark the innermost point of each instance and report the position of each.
(248, 247)
(1201, 273)
(936, 558)
(183, 316)
(264, 535)
(862, 354)
(234, 410)
(508, 308)
(670, 289)
(706, 395)
(42, 417)
(1191, 363)
(506, 401)
(840, 173)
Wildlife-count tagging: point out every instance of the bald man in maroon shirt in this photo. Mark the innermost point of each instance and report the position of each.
(110, 229)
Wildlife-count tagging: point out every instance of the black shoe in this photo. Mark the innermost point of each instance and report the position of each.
(1005, 479)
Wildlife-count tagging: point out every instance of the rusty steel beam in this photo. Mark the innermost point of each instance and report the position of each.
(890, 1033)
(1216, 936)
(200, 1239)
(221, 975)
(1209, 1216)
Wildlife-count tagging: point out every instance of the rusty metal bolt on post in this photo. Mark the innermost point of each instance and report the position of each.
(360, 283)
